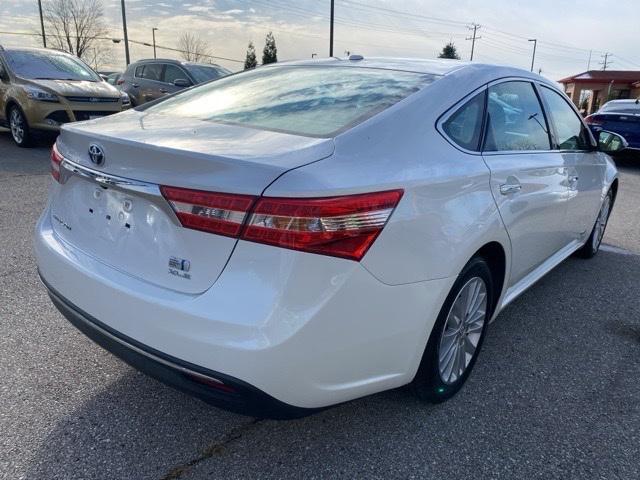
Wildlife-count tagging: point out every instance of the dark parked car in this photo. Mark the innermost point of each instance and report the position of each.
(147, 80)
(621, 117)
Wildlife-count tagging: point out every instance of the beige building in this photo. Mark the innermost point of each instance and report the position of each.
(598, 87)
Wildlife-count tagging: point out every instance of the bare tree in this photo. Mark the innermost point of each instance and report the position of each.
(98, 55)
(75, 26)
(193, 49)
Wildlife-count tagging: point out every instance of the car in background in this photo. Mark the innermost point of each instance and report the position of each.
(147, 80)
(42, 89)
(621, 117)
(307, 233)
(113, 78)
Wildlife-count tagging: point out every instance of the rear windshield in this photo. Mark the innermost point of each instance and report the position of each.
(50, 65)
(204, 74)
(627, 107)
(310, 100)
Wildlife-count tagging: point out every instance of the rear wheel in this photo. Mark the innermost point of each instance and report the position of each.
(457, 335)
(595, 239)
(19, 127)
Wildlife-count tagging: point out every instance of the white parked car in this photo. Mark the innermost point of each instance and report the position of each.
(307, 233)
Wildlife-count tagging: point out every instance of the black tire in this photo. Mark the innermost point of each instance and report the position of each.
(25, 139)
(428, 383)
(592, 246)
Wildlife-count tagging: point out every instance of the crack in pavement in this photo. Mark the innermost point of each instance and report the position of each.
(216, 448)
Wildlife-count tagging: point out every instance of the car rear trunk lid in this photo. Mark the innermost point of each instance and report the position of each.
(116, 213)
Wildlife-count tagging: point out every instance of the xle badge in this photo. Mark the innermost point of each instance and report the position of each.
(179, 267)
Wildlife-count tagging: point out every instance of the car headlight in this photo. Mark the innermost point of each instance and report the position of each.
(125, 98)
(35, 93)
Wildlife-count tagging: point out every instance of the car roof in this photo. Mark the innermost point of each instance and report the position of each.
(174, 61)
(35, 49)
(628, 101)
(420, 65)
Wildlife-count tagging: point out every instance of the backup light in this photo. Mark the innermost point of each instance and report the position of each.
(220, 213)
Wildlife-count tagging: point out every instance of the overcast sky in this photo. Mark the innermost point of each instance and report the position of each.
(566, 30)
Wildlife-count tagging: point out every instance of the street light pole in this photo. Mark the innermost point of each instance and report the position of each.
(153, 32)
(535, 44)
(331, 32)
(44, 38)
(126, 37)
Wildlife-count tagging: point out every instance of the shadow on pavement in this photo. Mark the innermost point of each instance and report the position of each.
(556, 393)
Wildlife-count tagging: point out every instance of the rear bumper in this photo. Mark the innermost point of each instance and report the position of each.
(307, 330)
(213, 387)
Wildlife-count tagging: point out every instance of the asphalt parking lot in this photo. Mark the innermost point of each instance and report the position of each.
(555, 393)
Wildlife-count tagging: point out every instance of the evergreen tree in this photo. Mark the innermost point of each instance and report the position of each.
(250, 60)
(270, 52)
(449, 51)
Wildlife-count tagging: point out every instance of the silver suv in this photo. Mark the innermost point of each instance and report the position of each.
(147, 80)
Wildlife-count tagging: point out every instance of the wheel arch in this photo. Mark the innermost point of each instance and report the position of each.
(496, 257)
(614, 188)
(11, 103)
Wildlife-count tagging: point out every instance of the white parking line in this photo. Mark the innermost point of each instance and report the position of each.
(619, 250)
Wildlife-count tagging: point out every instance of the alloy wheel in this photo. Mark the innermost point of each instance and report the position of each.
(601, 223)
(16, 122)
(462, 330)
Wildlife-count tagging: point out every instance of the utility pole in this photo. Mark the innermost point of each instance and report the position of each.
(535, 45)
(589, 62)
(473, 38)
(44, 38)
(153, 32)
(126, 37)
(606, 62)
(331, 31)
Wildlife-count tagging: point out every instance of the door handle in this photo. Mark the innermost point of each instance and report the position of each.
(509, 188)
(135, 85)
(162, 90)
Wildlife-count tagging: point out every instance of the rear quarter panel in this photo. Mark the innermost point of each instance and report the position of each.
(447, 212)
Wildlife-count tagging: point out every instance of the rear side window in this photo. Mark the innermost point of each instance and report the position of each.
(571, 132)
(515, 120)
(139, 70)
(464, 127)
(173, 73)
(152, 71)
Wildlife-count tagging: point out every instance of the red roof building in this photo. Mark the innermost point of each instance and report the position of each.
(597, 87)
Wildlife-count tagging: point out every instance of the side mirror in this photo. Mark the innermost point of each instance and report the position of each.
(182, 82)
(610, 142)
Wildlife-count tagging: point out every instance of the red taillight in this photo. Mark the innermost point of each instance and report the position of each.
(56, 161)
(338, 226)
(220, 213)
(120, 81)
(343, 226)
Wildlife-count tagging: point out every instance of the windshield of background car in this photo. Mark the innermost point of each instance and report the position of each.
(34, 65)
(309, 100)
(204, 74)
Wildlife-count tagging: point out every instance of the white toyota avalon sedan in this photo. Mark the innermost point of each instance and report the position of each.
(307, 233)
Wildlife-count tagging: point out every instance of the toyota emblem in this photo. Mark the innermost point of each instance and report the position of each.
(96, 155)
